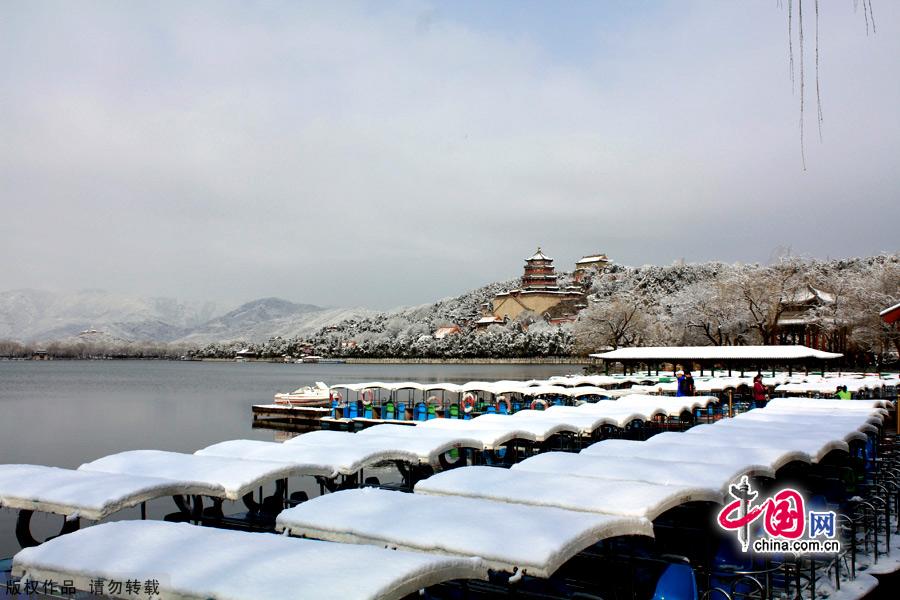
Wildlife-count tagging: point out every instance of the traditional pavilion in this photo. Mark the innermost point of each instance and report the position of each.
(798, 323)
(590, 265)
(540, 293)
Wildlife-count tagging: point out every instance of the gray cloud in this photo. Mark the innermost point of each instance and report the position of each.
(362, 155)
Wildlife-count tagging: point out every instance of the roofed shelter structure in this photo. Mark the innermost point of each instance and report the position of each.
(743, 358)
(799, 323)
(590, 265)
(891, 315)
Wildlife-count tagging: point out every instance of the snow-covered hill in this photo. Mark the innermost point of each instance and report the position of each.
(42, 316)
(39, 315)
(267, 318)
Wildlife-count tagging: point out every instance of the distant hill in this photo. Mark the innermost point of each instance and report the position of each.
(266, 318)
(41, 316)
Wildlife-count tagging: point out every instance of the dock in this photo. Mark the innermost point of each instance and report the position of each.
(288, 418)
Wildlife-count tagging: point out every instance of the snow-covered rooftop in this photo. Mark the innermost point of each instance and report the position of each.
(891, 309)
(587, 260)
(724, 353)
(808, 294)
(891, 314)
(488, 320)
(539, 255)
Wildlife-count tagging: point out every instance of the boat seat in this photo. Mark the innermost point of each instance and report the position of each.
(676, 583)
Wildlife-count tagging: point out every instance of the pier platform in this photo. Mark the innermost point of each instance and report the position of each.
(288, 418)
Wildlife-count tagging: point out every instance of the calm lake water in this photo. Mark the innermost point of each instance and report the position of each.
(66, 413)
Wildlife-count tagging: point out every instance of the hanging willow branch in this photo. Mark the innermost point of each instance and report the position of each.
(791, 41)
(818, 93)
(869, 17)
(802, 81)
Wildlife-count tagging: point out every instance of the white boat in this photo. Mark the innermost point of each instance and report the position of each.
(318, 395)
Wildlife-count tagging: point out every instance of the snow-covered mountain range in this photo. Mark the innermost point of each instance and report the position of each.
(43, 316)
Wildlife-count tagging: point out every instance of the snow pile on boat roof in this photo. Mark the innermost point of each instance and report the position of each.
(325, 460)
(806, 449)
(842, 405)
(83, 493)
(536, 539)
(536, 429)
(860, 421)
(614, 468)
(437, 437)
(226, 477)
(738, 458)
(491, 434)
(203, 562)
(425, 447)
(625, 498)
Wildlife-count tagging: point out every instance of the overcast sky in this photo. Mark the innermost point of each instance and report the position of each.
(378, 154)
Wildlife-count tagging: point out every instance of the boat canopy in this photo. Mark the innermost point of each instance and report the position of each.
(229, 478)
(718, 476)
(86, 494)
(507, 537)
(324, 459)
(203, 562)
(624, 498)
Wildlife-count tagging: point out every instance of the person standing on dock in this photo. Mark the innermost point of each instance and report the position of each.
(679, 376)
(688, 384)
(760, 393)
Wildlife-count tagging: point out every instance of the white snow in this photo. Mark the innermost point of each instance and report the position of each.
(889, 310)
(738, 458)
(626, 498)
(861, 422)
(427, 444)
(536, 539)
(492, 435)
(805, 450)
(538, 430)
(89, 495)
(225, 477)
(709, 475)
(833, 404)
(203, 562)
(407, 443)
(685, 353)
(327, 461)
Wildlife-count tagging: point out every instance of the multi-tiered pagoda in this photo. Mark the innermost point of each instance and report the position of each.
(539, 273)
(539, 295)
